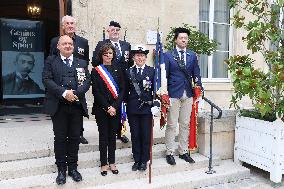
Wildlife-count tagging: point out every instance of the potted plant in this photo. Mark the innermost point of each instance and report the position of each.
(259, 134)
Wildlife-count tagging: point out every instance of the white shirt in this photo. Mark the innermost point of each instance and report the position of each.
(118, 44)
(184, 54)
(70, 59)
(19, 76)
(142, 68)
(70, 63)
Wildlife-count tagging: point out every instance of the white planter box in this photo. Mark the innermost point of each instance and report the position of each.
(261, 144)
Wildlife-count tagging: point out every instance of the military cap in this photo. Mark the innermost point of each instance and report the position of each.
(114, 24)
(139, 49)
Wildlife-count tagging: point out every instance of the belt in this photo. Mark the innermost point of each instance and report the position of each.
(142, 102)
(66, 102)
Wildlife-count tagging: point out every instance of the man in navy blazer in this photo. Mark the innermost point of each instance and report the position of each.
(66, 79)
(122, 47)
(182, 73)
(81, 45)
(81, 48)
(121, 60)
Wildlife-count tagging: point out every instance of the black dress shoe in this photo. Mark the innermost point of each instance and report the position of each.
(114, 171)
(170, 159)
(186, 158)
(143, 167)
(104, 173)
(75, 175)
(83, 140)
(61, 178)
(135, 166)
(123, 139)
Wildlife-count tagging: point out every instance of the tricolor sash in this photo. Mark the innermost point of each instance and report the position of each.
(108, 79)
(114, 90)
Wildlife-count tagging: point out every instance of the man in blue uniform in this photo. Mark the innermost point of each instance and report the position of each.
(66, 79)
(121, 60)
(182, 67)
(81, 48)
(140, 83)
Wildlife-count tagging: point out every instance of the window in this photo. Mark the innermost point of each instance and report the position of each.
(214, 20)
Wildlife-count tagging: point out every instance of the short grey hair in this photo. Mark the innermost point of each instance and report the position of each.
(64, 18)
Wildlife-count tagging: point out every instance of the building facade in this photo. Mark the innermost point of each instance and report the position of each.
(139, 16)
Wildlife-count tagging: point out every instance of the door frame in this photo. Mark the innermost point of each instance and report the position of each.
(65, 7)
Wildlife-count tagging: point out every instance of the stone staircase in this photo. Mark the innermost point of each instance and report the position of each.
(34, 168)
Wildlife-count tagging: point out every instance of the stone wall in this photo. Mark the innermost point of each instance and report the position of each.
(138, 16)
(223, 137)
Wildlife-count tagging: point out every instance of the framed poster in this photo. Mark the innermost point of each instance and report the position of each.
(22, 58)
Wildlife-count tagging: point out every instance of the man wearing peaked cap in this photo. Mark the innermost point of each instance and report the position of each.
(121, 60)
(181, 66)
(140, 107)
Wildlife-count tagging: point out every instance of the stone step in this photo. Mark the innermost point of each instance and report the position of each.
(92, 177)
(244, 183)
(26, 167)
(23, 142)
(47, 152)
(226, 172)
(29, 167)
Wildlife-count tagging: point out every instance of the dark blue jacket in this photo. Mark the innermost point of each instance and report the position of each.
(146, 89)
(123, 62)
(81, 47)
(177, 81)
(52, 77)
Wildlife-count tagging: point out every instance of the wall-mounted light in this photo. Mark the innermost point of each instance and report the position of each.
(34, 9)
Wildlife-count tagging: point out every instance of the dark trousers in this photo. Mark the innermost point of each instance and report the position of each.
(118, 130)
(67, 124)
(82, 130)
(107, 126)
(140, 128)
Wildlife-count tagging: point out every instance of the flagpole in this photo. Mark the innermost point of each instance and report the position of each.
(154, 98)
(124, 37)
(104, 33)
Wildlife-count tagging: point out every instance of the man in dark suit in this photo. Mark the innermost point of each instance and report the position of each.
(81, 48)
(140, 85)
(181, 66)
(122, 49)
(66, 79)
(19, 82)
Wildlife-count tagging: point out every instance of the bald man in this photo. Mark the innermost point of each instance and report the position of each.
(81, 48)
(66, 79)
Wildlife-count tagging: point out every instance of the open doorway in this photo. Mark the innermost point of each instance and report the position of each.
(27, 26)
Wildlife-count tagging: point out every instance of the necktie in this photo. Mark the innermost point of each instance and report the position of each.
(182, 58)
(67, 62)
(117, 51)
(140, 71)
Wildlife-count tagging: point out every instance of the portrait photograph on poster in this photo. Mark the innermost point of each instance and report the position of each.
(22, 59)
(21, 73)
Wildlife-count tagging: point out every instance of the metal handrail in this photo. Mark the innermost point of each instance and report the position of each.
(210, 168)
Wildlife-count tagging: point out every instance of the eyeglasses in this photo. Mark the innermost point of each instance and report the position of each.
(115, 30)
(107, 53)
